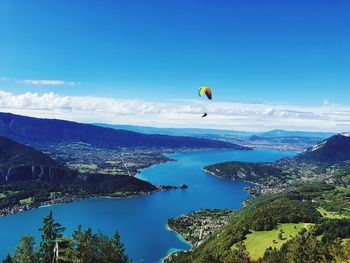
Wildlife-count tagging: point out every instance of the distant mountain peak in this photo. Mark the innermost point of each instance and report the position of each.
(335, 149)
(346, 134)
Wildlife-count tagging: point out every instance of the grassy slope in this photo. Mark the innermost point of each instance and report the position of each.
(28, 201)
(330, 215)
(258, 241)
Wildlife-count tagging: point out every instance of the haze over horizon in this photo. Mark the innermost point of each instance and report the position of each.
(270, 65)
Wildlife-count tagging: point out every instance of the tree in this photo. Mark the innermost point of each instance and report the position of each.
(305, 248)
(208, 257)
(109, 250)
(8, 259)
(280, 235)
(239, 255)
(84, 245)
(25, 251)
(51, 233)
(340, 251)
(272, 255)
(118, 248)
(98, 247)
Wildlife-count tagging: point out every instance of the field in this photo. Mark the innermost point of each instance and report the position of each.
(331, 215)
(258, 241)
(83, 168)
(25, 201)
(2, 195)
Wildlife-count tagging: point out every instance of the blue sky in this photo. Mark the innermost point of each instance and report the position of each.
(289, 52)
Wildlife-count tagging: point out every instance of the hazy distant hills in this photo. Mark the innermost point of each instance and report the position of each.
(176, 131)
(277, 139)
(39, 132)
(199, 132)
(335, 149)
(284, 133)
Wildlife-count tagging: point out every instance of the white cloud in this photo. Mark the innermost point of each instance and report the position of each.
(221, 115)
(46, 82)
(3, 78)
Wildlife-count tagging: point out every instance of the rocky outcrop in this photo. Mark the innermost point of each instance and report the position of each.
(30, 172)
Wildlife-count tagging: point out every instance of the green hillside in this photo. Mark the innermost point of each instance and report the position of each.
(258, 241)
(273, 227)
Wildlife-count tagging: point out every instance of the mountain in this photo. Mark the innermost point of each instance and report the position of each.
(20, 162)
(284, 133)
(30, 178)
(276, 139)
(335, 149)
(38, 132)
(176, 131)
(14, 153)
(204, 132)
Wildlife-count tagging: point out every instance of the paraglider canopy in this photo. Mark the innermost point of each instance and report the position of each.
(206, 91)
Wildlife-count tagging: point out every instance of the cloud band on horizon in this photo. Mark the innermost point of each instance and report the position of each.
(250, 116)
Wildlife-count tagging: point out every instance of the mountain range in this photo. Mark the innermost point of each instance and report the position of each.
(204, 132)
(276, 139)
(38, 132)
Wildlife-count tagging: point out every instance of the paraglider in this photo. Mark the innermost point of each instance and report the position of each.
(208, 93)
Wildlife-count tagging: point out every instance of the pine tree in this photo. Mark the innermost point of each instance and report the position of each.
(25, 251)
(8, 259)
(118, 248)
(83, 246)
(51, 233)
(84, 243)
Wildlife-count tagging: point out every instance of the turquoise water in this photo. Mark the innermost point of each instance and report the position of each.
(141, 220)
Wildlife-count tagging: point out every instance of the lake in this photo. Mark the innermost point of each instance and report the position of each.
(141, 220)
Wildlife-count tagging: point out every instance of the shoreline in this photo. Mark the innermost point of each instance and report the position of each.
(70, 199)
(9, 211)
(181, 239)
(249, 189)
(64, 200)
(232, 179)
